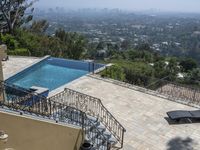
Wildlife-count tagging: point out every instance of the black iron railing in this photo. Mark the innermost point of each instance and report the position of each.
(93, 107)
(175, 91)
(25, 101)
(67, 114)
(22, 99)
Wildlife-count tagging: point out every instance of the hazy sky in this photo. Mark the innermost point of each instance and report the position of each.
(164, 5)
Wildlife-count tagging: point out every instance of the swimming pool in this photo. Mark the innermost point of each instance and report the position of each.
(52, 73)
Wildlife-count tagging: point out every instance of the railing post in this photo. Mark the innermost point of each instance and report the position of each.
(93, 69)
(162, 84)
(194, 95)
(50, 108)
(83, 124)
(3, 92)
(109, 146)
(83, 120)
(89, 67)
(122, 142)
(106, 71)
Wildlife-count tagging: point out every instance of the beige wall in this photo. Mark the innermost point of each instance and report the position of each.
(27, 134)
(1, 71)
(3, 48)
(1, 79)
(3, 51)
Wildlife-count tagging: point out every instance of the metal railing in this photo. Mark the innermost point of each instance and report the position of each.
(19, 99)
(22, 99)
(93, 67)
(178, 92)
(93, 107)
(63, 113)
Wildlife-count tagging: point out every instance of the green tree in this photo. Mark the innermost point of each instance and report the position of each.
(125, 44)
(195, 74)
(74, 44)
(160, 69)
(39, 26)
(115, 72)
(144, 46)
(10, 41)
(100, 46)
(188, 64)
(172, 68)
(14, 13)
(193, 77)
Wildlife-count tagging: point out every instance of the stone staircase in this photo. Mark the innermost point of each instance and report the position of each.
(95, 132)
(93, 107)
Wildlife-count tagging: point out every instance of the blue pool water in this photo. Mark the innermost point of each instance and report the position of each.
(50, 74)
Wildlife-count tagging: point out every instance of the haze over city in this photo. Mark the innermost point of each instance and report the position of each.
(132, 5)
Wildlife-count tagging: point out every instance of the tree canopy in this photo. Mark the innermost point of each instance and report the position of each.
(188, 64)
(14, 13)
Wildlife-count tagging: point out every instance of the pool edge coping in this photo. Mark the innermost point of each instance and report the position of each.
(61, 88)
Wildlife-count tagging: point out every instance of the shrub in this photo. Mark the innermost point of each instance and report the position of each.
(10, 41)
(115, 72)
(20, 52)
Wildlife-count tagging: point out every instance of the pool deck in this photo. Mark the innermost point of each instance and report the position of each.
(143, 115)
(16, 63)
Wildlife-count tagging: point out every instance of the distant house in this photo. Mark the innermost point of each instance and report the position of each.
(180, 75)
(102, 53)
(165, 43)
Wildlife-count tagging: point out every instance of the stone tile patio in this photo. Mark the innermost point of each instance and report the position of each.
(15, 64)
(141, 114)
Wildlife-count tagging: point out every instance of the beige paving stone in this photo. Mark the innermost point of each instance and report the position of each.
(142, 115)
(15, 64)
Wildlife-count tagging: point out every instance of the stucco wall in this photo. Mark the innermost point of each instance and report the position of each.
(1, 79)
(28, 134)
(3, 48)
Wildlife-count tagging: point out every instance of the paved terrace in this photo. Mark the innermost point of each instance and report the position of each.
(15, 64)
(141, 114)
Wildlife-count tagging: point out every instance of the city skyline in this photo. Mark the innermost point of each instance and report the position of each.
(132, 5)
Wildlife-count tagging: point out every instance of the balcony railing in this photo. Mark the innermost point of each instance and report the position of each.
(93, 107)
(24, 101)
(177, 92)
